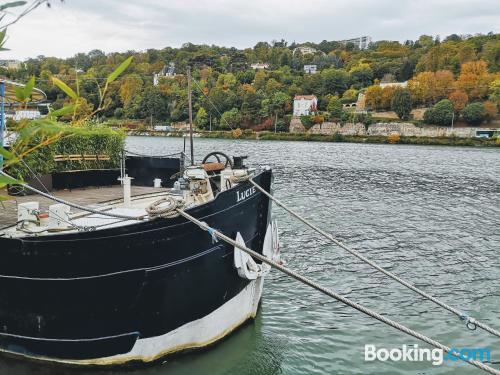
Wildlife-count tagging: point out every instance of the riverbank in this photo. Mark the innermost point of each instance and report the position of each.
(392, 139)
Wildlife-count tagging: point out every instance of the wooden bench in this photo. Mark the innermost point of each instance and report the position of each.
(81, 157)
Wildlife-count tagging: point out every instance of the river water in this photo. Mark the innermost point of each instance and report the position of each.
(429, 214)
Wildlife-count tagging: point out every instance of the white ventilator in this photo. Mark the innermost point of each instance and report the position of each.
(59, 216)
(246, 266)
(27, 214)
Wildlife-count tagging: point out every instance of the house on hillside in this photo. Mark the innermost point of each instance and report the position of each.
(402, 85)
(167, 71)
(310, 69)
(259, 66)
(304, 105)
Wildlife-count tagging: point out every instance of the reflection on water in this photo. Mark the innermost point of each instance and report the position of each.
(430, 214)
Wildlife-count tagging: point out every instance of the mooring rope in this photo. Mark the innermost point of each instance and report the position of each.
(470, 322)
(215, 233)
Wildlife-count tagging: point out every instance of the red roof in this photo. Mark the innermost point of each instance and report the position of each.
(307, 97)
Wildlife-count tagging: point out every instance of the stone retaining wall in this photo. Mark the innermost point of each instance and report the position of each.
(404, 129)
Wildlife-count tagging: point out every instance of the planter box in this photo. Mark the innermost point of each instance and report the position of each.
(43, 183)
(85, 178)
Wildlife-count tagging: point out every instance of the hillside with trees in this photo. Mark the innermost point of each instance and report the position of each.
(459, 75)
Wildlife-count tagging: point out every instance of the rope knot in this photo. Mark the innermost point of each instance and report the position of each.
(470, 322)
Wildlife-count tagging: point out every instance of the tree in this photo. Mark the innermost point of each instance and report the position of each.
(401, 104)
(495, 91)
(440, 114)
(459, 99)
(154, 104)
(335, 108)
(230, 119)
(201, 119)
(130, 86)
(474, 114)
(334, 81)
(490, 110)
(373, 97)
(361, 76)
(474, 79)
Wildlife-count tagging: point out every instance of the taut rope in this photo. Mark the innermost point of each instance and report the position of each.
(470, 322)
(338, 297)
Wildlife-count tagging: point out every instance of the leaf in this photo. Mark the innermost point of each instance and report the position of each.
(6, 154)
(3, 199)
(62, 111)
(12, 4)
(124, 65)
(28, 88)
(2, 36)
(64, 87)
(5, 180)
(19, 91)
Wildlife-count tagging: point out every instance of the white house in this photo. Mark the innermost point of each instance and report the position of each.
(394, 84)
(362, 42)
(167, 71)
(310, 69)
(260, 66)
(304, 105)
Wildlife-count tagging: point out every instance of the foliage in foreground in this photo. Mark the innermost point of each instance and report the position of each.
(90, 140)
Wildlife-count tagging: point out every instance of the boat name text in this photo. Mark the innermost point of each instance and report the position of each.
(242, 195)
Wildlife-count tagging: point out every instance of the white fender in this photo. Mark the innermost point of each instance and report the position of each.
(271, 248)
(246, 266)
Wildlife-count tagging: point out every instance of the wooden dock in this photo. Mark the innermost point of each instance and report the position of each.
(85, 197)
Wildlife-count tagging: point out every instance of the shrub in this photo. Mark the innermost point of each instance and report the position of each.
(474, 114)
(401, 104)
(236, 133)
(393, 138)
(93, 140)
(440, 114)
(318, 119)
(307, 122)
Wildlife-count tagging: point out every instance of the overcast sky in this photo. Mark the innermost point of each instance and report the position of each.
(119, 25)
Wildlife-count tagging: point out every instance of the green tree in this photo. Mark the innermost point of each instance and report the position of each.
(440, 114)
(495, 91)
(401, 104)
(153, 104)
(230, 119)
(335, 108)
(474, 113)
(334, 81)
(201, 119)
(361, 76)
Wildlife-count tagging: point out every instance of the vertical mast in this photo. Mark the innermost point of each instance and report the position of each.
(2, 119)
(190, 103)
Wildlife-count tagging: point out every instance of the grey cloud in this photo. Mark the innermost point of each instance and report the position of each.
(116, 25)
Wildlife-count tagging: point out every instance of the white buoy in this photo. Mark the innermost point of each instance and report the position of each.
(157, 183)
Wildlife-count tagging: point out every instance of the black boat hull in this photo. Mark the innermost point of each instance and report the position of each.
(134, 292)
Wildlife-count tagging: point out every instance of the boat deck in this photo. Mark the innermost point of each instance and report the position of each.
(86, 197)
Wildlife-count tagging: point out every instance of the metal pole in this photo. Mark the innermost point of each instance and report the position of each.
(452, 118)
(2, 119)
(190, 99)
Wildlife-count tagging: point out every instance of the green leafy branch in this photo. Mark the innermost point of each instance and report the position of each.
(76, 100)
